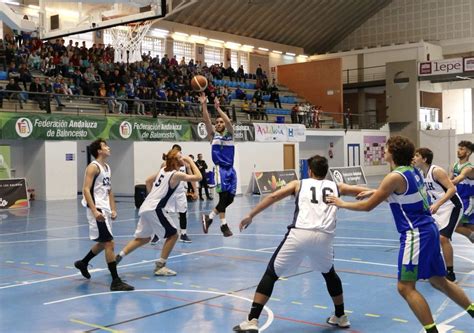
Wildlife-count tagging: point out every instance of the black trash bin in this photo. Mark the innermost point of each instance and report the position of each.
(140, 195)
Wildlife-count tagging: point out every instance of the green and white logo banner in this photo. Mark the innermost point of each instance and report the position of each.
(61, 127)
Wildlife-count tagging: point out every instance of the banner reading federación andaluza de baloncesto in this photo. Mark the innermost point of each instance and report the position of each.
(60, 127)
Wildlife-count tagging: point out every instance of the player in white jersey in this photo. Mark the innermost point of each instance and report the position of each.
(180, 205)
(100, 203)
(311, 235)
(154, 219)
(446, 205)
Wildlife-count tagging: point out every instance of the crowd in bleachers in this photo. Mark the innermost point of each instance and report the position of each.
(306, 114)
(63, 70)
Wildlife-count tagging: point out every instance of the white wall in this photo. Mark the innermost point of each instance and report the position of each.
(17, 152)
(81, 162)
(443, 145)
(34, 158)
(60, 175)
(122, 166)
(320, 145)
(358, 137)
(457, 105)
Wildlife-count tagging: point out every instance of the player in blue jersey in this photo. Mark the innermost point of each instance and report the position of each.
(223, 151)
(463, 177)
(420, 254)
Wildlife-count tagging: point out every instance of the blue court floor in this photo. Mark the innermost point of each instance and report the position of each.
(41, 291)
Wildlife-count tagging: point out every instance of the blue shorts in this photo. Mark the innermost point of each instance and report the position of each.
(226, 179)
(420, 254)
(467, 219)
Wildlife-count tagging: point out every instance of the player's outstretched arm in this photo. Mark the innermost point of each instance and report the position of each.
(223, 115)
(285, 191)
(389, 185)
(352, 190)
(463, 175)
(205, 114)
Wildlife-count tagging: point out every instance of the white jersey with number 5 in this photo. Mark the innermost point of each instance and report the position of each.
(311, 211)
(160, 192)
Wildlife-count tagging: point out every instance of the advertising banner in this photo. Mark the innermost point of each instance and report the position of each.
(374, 150)
(271, 181)
(348, 175)
(440, 67)
(60, 127)
(296, 132)
(5, 162)
(13, 193)
(268, 132)
(242, 132)
(469, 64)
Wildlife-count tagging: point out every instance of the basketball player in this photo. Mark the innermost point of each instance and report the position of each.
(161, 189)
(180, 204)
(223, 150)
(100, 203)
(420, 255)
(446, 206)
(463, 177)
(311, 234)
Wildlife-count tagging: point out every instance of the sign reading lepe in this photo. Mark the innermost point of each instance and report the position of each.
(440, 67)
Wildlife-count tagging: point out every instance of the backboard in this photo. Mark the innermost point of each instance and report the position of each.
(63, 18)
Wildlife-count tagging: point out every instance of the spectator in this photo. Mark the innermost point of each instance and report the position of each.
(274, 95)
(239, 93)
(36, 87)
(202, 166)
(13, 86)
(294, 114)
(240, 74)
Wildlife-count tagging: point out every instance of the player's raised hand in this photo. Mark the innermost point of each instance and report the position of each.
(202, 98)
(217, 103)
(246, 221)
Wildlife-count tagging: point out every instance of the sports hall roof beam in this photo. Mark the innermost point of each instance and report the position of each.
(267, 20)
(221, 20)
(284, 27)
(369, 11)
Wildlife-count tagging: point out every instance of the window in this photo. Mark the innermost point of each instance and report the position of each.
(234, 59)
(107, 37)
(87, 37)
(244, 60)
(183, 49)
(213, 55)
(153, 45)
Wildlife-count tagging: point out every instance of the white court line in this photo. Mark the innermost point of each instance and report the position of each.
(266, 308)
(467, 259)
(354, 261)
(27, 283)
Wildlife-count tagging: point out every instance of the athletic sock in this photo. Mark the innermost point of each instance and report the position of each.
(161, 262)
(431, 328)
(255, 311)
(223, 221)
(113, 269)
(339, 310)
(212, 215)
(88, 257)
(470, 310)
(183, 231)
(450, 269)
(122, 254)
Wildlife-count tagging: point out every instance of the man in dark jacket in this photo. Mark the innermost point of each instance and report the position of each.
(36, 87)
(202, 166)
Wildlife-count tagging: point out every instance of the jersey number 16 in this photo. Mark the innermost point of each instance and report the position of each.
(326, 191)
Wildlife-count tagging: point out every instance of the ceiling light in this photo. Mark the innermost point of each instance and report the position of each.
(248, 46)
(160, 31)
(290, 54)
(34, 7)
(182, 34)
(216, 40)
(278, 52)
(198, 37)
(303, 56)
(263, 49)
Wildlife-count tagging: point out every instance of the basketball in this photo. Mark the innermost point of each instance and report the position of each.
(199, 83)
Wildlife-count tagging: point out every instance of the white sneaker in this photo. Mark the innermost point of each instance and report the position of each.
(342, 321)
(247, 326)
(164, 271)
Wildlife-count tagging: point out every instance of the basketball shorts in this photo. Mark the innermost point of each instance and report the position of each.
(100, 231)
(155, 222)
(420, 254)
(447, 218)
(226, 179)
(299, 244)
(179, 204)
(468, 216)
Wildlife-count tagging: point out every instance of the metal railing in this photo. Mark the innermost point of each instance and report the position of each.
(363, 74)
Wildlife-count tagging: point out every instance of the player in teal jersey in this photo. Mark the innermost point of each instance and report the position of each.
(463, 177)
(420, 253)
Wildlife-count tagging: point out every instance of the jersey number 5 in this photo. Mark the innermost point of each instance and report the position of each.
(158, 182)
(326, 191)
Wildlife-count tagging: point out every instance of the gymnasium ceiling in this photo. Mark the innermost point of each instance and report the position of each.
(315, 25)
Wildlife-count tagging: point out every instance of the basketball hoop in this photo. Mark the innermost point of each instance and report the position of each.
(127, 40)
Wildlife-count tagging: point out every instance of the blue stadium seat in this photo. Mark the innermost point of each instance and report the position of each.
(3, 75)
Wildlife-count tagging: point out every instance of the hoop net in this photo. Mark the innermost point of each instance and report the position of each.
(127, 41)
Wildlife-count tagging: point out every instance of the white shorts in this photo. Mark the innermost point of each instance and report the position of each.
(100, 231)
(443, 215)
(300, 243)
(155, 223)
(178, 203)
